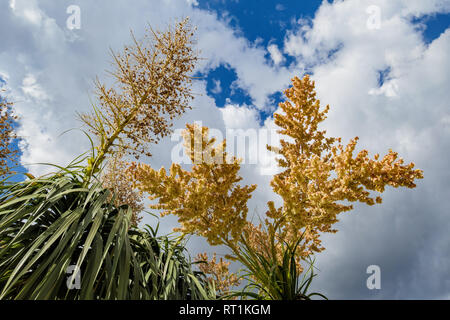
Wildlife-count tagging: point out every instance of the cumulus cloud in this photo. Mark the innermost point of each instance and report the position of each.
(64, 62)
(275, 54)
(192, 2)
(238, 117)
(32, 89)
(217, 87)
(27, 10)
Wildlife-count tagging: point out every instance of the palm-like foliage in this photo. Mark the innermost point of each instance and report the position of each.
(271, 277)
(49, 224)
(167, 270)
(66, 221)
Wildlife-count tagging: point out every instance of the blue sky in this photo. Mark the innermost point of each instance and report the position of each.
(433, 25)
(388, 85)
(261, 22)
(266, 22)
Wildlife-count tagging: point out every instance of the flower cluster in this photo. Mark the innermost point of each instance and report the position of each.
(319, 172)
(208, 200)
(8, 156)
(151, 88)
(218, 272)
(115, 178)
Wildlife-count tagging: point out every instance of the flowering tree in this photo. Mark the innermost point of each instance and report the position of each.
(69, 220)
(8, 155)
(320, 178)
(152, 87)
(208, 200)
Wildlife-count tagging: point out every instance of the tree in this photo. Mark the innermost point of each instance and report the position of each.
(74, 218)
(53, 230)
(318, 173)
(152, 88)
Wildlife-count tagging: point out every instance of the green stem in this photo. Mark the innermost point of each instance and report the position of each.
(103, 151)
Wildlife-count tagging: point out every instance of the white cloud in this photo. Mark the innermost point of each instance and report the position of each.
(27, 10)
(389, 89)
(32, 89)
(247, 59)
(63, 63)
(275, 54)
(240, 117)
(192, 2)
(217, 87)
(4, 76)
